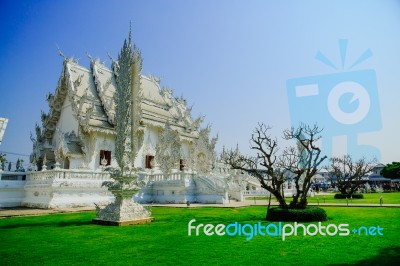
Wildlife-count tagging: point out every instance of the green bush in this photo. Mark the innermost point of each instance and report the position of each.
(309, 214)
(345, 196)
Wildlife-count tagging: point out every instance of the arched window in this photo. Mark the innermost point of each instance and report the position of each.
(149, 161)
(105, 157)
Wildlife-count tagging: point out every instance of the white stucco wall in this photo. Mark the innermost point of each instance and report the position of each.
(150, 140)
(185, 149)
(103, 142)
(153, 134)
(11, 193)
(139, 160)
(75, 162)
(67, 121)
(107, 142)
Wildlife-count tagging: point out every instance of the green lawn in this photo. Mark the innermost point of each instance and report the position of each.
(71, 239)
(388, 198)
(373, 198)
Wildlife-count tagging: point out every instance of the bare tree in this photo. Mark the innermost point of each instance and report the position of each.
(347, 174)
(272, 169)
(302, 162)
(262, 166)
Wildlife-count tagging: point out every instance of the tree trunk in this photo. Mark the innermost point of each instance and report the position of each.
(281, 200)
(303, 201)
(295, 200)
(269, 204)
(343, 190)
(352, 190)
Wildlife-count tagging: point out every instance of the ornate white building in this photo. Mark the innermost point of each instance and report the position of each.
(3, 125)
(174, 155)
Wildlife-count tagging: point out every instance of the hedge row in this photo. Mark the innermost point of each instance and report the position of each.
(345, 196)
(309, 214)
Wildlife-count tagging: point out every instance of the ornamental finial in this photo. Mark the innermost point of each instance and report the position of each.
(60, 53)
(130, 33)
(89, 56)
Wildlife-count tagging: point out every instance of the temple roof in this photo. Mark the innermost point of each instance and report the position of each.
(91, 94)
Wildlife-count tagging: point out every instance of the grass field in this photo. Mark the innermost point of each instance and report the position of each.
(71, 239)
(373, 198)
(369, 198)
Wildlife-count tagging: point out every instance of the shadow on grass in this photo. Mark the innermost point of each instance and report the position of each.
(47, 224)
(386, 256)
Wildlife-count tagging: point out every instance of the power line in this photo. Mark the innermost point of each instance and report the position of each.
(13, 153)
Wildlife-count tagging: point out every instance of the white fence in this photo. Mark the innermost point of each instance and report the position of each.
(68, 174)
(44, 185)
(266, 193)
(162, 177)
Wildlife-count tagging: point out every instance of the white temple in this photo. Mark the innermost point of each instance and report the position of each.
(75, 144)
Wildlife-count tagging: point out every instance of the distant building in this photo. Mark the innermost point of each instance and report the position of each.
(3, 125)
(376, 173)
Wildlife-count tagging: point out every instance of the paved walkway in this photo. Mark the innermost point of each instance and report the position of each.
(21, 211)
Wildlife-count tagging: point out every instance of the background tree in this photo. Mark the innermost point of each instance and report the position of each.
(347, 174)
(391, 170)
(21, 165)
(3, 161)
(17, 165)
(272, 169)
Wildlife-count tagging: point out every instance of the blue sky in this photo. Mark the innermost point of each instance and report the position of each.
(230, 59)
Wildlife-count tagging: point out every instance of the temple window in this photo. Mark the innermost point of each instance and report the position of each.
(181, 165)
(149, 161)
(105, 157)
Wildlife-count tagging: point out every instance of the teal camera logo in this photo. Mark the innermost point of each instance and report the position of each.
(345, 104)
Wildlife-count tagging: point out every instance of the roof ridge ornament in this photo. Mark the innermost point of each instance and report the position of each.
(89, 56)
(155, 78)
(111, 58)
(60, 53)
(67, 59)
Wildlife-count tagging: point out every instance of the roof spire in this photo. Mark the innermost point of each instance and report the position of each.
(110, 56)
(89, 56)
(60, 52)
(130, 33)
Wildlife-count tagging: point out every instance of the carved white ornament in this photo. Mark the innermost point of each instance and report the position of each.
(168, 150)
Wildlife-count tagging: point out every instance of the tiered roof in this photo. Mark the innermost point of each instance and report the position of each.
(91, 94)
